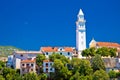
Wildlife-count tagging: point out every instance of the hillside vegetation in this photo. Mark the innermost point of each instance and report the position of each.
(7, 50)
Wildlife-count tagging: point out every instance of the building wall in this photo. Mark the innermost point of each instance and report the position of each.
(48, 67)
(10, 61)
(17, 63)
(25, 69)
(66, 54)
(18, 57)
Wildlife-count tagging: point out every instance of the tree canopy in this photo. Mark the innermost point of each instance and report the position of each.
(103, 51)
(100, 75)
(97, 63)
(39, 59)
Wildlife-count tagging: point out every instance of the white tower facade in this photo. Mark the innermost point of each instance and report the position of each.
(80, 33)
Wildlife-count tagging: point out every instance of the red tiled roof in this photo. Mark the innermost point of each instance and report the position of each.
(68, 49)
(108, 44)
(27, 61)
(55, 49)
(49, 49)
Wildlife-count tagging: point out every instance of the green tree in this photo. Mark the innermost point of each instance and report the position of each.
(100, 75)
(104, 51)
(76, 76)
(9, 77)
(58, 56)
(112, 74)
(43, 76)
(82, 69)
(1, 77)
(53, 56)
(86, 77)
(89, 52)
(58, 65)
(97, 63)
(92, 51)
(61, 71)
(2, 65)
(17, 76)
(75, 62)
(39, 62)
(30, 76)
(65, 73)
(112, 52)
(85, 68)
(39, 59)
(86, 53)
(8, 73)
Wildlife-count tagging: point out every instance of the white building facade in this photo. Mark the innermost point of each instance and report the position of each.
(18, 56)
(48, 66)
(66, 51)
(80, 33)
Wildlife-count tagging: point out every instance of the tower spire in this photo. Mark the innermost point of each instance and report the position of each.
(81, 12)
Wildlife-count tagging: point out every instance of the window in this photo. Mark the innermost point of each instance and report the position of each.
(51, 64)
(81, 24)
(76, 52)
(46, 53)
(68, 53)
(52, 47)
(60, 49)
(31, 69)
(32, 65)
(60, 53)
(50, 69)
(23, 64)
(46, 64)
(27, 64)
(46, 69)
(81, 16)
(21, 55)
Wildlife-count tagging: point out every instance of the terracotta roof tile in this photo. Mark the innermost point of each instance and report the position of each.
(27, 61)
(108, 44)
(68, 49)
(49, 49)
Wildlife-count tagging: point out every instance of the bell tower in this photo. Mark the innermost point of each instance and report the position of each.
(80, 33)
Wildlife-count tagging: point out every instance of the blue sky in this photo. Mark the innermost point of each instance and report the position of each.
(30, 24)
